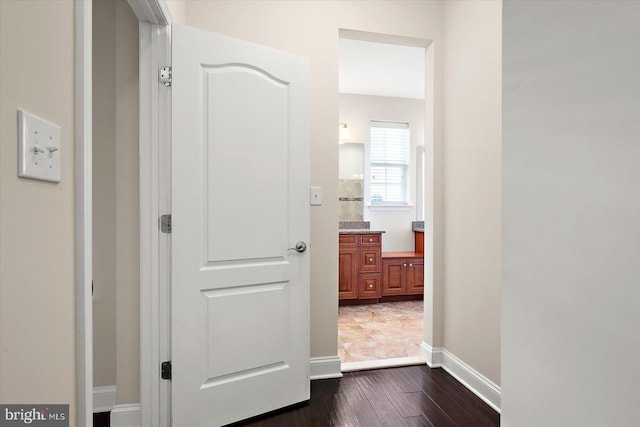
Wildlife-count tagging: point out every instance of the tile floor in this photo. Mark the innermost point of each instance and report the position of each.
(380, 331)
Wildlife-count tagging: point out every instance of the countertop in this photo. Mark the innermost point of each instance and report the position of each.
(419, 229)
(360, 231)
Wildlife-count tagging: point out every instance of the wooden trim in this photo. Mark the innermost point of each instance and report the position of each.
(125, 415)
(104, 398)
(477, 383)
(155, 117)
(83, 212)
(322, 368)
(151, 11)
(402, 255)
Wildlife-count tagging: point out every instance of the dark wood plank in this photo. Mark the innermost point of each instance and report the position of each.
(341, 412)
(458, 413)
(358, 402)
(431, 411)
(396, 388)
(101, 419)
(420, 421)
(400, 397)
(465, 397)
(384, 409)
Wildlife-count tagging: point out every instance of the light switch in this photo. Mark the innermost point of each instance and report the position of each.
(39, 149)
(316, 196)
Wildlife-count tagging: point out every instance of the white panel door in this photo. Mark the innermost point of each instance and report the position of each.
(240, 199)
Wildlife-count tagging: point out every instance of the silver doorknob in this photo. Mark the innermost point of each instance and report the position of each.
(300, 247)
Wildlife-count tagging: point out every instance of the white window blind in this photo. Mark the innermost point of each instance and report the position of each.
(390, 158)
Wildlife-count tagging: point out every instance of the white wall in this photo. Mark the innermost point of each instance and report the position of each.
(358, 111)
(37, 238)
(472, 187)
(571, 214)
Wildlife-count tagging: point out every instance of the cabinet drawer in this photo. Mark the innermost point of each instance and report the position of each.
(348, 239)
(370, 239)
(370, 286)
(370, 260)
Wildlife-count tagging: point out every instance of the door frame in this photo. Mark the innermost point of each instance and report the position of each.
(154, 18)
(155, 200)
(154, 49)
(83, 212)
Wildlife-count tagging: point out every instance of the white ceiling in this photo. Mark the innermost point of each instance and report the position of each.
(368, 68)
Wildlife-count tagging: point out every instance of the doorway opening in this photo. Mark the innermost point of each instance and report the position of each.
(385, 130)
(115, 211)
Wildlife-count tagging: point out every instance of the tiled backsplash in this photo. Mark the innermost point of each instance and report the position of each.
(417, 224)
(351, 203)
(353, 225)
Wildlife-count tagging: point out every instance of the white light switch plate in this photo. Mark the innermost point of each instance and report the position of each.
(316, 196)
(39, 149)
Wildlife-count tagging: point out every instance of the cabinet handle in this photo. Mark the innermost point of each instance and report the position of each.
(370, 259)
(370, 240)
(370, 285)
(410, 265)
(405, 265)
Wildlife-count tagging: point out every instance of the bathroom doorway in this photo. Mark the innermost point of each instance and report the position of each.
(385, 116)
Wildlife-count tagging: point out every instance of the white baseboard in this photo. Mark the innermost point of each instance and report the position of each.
(325, 367)
(382, 363)
(480, 385)
(126, 415)
(433, 356)
(104, 398)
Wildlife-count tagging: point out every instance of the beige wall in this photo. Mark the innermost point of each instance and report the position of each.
(116, 213)
(104, 195)
(127, 207)
(37, 267)
(178, 10)
(571, 214)
(311, 29)
(45, 295)
(472, 187)
(358, 111)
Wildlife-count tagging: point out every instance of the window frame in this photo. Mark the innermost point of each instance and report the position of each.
(405, 201)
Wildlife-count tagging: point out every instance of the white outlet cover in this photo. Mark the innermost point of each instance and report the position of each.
(315, 194)
(39, 148)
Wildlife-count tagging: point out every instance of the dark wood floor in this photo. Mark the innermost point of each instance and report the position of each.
(101, 419)
(410, 396)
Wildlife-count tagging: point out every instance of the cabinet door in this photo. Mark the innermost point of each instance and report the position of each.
(415, 276)
(348, 273)
(370, 260)
(393, 277)
(369, 286)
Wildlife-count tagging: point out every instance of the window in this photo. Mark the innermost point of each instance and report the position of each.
(390, 156)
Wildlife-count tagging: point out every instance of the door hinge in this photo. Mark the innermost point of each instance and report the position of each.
(165, 370)
(165, 224)
(165, 76)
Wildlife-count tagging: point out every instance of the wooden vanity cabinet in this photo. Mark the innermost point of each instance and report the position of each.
(360, 266)
(402, 276)
(348, 272)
